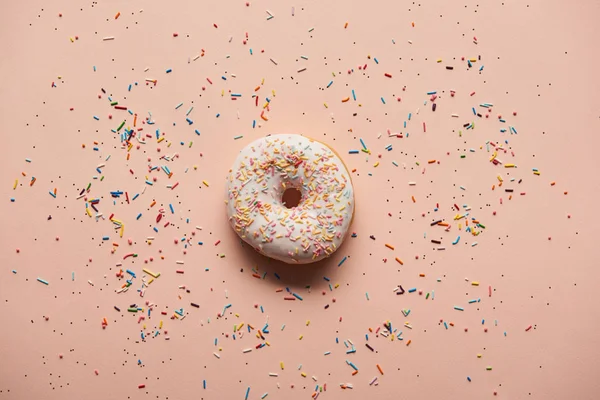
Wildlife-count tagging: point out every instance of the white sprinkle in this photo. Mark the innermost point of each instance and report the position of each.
(109, 38)
(216, 355)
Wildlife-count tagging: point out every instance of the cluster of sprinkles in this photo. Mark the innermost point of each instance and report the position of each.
(149, 208)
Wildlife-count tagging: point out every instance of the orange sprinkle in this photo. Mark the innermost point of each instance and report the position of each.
(153, 203)
(118, 15)
(566, 192)
(354, 373)
(552, 183)
(345, 99)
(345, 25)
(115, 244)
(442, 223)
(431, 161)
(422, 275)
(379, 368)
(128, 155)
(413, 199)
(256, 89)
(32, 181)
(23, 173)
(389, 246)
(451, 324)
(407, 343)
(399, 260)
(493, 187)
(510, 197)
(134, 119)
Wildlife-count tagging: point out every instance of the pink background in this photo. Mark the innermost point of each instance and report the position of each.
(539, 61)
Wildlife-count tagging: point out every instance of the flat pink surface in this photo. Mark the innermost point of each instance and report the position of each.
(537, 252)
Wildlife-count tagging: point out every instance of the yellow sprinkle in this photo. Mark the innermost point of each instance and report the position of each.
(439, 60)
(303, 374)
(153, 274)
(376, 164)
(509, 165)
(308, 323)
(160, 324)
(161, 139)
(301, 336)
(474, 283)
(500, 178)
(205, 183)
(478, 355)
(325, 104)
(281, 365)
(16, 183)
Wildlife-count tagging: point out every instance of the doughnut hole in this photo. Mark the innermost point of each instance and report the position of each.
(291, 197)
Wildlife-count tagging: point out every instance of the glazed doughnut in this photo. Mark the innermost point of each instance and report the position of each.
(269, 167)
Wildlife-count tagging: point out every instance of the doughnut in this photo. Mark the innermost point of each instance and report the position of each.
(261, 186)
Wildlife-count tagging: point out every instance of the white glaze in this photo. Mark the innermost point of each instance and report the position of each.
(263, 171)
